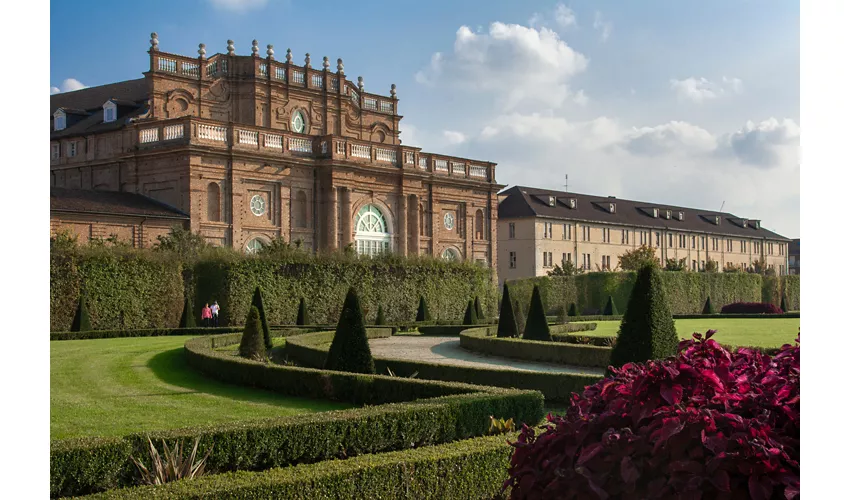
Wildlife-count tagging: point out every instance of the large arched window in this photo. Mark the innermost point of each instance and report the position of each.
(213, 202)
(300, 209)
(371, 233)
(253, 246)
(479, 225)
(451, 254)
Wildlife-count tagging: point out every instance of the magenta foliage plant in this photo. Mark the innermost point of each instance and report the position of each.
(705, 424)
(750, 308)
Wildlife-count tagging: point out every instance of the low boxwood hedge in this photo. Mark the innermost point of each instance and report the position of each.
(610, 341)
(480, 340)
(312, 348)
(277, 330)
(422, 412)
(463, 470)
(442, 330)
(736, 316)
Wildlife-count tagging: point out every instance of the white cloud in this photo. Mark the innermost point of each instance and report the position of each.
(673, 137)
(580, 98)
(564, 16)
(69, 85)
(604, 27)
(238, 5)
(453, 137)
(522, 66)
(764, 144)
(701, 89)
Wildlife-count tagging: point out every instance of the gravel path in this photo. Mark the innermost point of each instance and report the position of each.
(447, 351)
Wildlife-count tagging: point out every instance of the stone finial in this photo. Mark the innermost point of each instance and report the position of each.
(288, 56)
(339, 66)
(392, 91)
(307, 61)
(154, 41)
(202, 50)
(326, 63)
(255, 48)
(270, 51)
(360, 83)
(231, 50)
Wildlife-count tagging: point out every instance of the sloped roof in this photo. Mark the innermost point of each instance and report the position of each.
(131, 97)
(522, 201)
(110, 202)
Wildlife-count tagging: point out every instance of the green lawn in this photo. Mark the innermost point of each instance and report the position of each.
(114, 387)
(767, 332)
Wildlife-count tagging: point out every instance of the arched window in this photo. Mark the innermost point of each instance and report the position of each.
(253, 246)
(451, 254)
(300, 209)
(479, 225)
(371, 234)
(213, 202)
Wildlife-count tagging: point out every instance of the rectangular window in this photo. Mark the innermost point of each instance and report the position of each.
(715, 244)
(693, 241)
(702, 243)
(550, 260)
(72, 149)
(670, 240)
(606, 262)
(549, 230)
(658, 239)
(728, 245)
(54, 151)
(693, 265)
(702, 265)
(606, 235)
(512, 260)
(564, 234)
(511, 231)
(625, 237)
(110, 114)
(563, 259)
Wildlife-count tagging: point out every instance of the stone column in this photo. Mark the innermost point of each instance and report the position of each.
(401, 222)
(413, 242)
(345, 223)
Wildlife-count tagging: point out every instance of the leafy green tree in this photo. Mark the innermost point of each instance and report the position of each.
(187, 319)
(349, 350)
(610, 308)
(566, 268)
(422, 313)
(82, 321)
(479, 313)
(676, 265)
(537, 327)
(647, 331)
(181, 241)
(252, 345)
(507, 321)
(380, 319)
(708, 308)
(638, 258)
(302, 313)
(572, 311)
(257, 301)
(711, 266)
(469, 317)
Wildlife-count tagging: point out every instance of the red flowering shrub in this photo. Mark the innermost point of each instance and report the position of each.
(750, 308)
(704, 424)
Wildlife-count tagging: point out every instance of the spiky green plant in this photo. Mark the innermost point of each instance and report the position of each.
(82, 321)
(173, 466)
(479, 313)
(520, 318)
(507, 321)
(187, 319)
(349, 350)
(572, 311)
(302, 312)
(783, 305)
(422, 312)
(501, 426)
(537, 327)
(708, 308)
(252, 345)
(610, 307)
(380, 319)
(469, 317)
(257, 301)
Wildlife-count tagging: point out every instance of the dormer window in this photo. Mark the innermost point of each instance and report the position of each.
(745, 222)
(110, 112)
(58, 120)
(573, 203)
(551, 201)
(669, 214)
(716, 220)
(612, 208)
(756, 224)
(655, 212)
(681, 215)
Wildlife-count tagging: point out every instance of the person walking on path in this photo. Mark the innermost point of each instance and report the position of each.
(214, 309)
(206, 315)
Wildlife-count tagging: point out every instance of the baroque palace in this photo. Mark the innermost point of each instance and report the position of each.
(247, 149)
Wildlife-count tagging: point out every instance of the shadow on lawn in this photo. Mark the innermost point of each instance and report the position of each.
(171, 367)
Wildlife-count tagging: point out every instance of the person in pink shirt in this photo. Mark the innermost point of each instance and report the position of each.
(206, 315)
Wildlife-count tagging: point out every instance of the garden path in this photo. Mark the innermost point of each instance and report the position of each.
(447, 351)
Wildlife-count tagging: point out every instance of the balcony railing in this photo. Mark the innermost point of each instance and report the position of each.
(173, 132)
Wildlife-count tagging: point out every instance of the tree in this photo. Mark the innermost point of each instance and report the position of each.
(783, 305)
(187, 319)
(422, 313)
(479, 313)
(520, 318)
(507, 321)
(636, 259)
(350, 351)
(257, 302)
(572, 311)
(611, 308)
(469, 317)
(252, 345)
(537, 327)
(302, 312)
(82, 321)
(711, 266)
(181, 241)
(567, 268)
(730, 268)
(647, 331)
(676, 265)
(708, 308)
(379, 319)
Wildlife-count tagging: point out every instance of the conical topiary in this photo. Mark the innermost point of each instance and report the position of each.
(479, 313)
(572, 311)
(520, 318)
(422, 313)
(302, 312)
(537, 327)
(507, 321)
(252, 345)
(708, 308)
(783, 305)
(187, 319)
(82, 321)
(257, 302)
(647, 331)
(379, 319)
(610, 307)
(349, 350)
(469, 317)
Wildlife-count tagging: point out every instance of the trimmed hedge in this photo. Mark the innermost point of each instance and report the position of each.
(686, 291)
(479, 340)
(442, 330)
(424, 412)
(311, 350)
(609, 341)
(750, 308)
(147, 332)
(463, 470)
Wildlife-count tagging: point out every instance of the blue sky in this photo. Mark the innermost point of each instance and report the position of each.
(690, 103)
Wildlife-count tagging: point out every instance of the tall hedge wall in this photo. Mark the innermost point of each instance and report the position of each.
(124, 288)
(686, 291)
(397, 286)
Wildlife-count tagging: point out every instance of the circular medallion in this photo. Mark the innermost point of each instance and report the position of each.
(298, 122)
(449, 221)
(258, 205)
